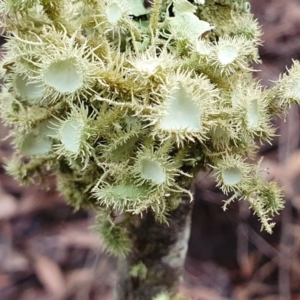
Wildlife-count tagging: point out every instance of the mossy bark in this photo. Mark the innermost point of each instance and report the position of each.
(159, 251)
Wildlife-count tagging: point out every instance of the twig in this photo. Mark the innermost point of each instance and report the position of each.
(288, 143)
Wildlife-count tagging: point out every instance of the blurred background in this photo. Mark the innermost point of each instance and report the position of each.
(48, 252)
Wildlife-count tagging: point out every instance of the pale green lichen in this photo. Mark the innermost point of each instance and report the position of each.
(139, 270)
(126, 103)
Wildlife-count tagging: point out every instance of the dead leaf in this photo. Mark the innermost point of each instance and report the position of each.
(9, 206)
(50, 276)
(12, 261)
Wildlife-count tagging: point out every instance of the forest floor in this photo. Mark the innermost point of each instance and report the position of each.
(47, 251)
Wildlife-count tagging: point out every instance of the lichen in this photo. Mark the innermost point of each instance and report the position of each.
(125, 103)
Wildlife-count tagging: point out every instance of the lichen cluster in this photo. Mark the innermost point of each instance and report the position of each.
(125, 102)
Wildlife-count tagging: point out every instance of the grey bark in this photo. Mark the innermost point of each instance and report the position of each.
(161, 248)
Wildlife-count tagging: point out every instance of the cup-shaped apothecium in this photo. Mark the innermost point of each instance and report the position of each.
(126, 103)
